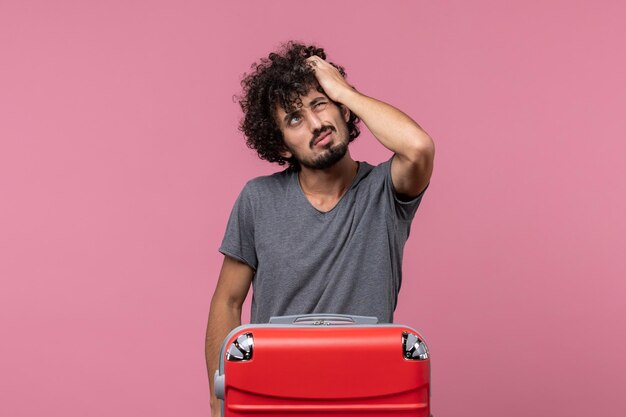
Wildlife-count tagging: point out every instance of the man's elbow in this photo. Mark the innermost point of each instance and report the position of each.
(421, 150)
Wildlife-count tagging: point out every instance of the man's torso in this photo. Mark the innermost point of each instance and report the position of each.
(347, 260)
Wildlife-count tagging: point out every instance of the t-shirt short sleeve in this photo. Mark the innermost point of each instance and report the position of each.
(238, 239)
(405, 209)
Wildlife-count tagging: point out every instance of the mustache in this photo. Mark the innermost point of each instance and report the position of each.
(318, 133)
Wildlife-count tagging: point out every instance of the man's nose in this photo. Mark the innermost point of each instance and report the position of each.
(314, 121)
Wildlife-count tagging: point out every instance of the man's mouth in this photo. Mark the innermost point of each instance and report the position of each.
(322, 136)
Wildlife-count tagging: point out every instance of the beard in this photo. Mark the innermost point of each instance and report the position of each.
(328, 158)
(332, 153)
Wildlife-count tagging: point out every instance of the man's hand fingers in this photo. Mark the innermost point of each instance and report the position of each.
(328, 76)
(313, 61)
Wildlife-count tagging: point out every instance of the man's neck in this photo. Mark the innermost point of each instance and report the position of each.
(331, 182)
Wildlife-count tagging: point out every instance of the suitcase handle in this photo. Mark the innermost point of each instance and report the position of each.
(323, 319)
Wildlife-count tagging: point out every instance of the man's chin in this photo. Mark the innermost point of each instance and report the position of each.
(327, 159)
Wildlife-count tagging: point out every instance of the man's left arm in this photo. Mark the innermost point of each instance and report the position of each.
(414, 150)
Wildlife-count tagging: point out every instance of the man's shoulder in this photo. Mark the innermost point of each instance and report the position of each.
(368, 172)
(264, 184)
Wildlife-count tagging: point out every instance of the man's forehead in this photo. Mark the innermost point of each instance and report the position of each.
(301, 101)
(312, 95)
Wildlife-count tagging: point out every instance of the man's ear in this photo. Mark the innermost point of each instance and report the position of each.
(285, 152)
(345, 112)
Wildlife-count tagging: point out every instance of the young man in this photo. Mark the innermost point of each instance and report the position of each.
(326, 235)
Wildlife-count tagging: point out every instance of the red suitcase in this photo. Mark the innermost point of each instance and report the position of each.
(318, 365)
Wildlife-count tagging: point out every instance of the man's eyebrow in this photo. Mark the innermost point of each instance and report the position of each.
(317, 100)
(311, 103)
(288, 115)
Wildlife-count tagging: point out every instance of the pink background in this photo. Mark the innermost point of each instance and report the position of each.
(120, 160)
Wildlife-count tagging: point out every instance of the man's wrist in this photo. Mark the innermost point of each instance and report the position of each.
(356, 102)
(347, 96)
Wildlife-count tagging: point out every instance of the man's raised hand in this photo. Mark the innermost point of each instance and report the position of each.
(330, 79)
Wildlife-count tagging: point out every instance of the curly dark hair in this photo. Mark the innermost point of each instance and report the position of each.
(281, 79)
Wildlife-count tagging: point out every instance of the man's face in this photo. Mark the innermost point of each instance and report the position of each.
(316, 134)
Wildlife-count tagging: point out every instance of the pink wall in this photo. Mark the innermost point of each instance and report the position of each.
(120, 160)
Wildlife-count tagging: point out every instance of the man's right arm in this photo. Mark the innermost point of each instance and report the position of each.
(225, 314)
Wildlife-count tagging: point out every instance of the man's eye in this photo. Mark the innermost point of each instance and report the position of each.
(320, 105)
(294, 119)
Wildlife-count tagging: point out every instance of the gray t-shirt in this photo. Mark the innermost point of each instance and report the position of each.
(345, 261)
